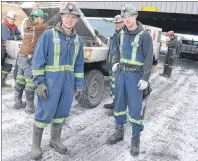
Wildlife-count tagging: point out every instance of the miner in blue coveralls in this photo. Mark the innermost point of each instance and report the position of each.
(133, 62)
(58, 69)
(118, 22)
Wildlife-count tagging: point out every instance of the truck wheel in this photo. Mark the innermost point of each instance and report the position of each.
(94, 89)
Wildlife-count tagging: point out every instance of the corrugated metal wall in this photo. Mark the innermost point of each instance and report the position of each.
(173, 7)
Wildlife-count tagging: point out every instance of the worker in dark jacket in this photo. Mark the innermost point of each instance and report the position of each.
(9, 31)
(118, 22)
(172, 50)
(133, 62)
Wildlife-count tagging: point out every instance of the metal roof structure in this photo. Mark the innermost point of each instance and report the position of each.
(162, 6)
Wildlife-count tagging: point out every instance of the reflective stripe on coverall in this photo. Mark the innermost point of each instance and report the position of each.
(24, 74)
(60, 63)
(126, 91)
(112, 50)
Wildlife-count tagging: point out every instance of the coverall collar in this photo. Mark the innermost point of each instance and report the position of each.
(137, 30)
(58, 27)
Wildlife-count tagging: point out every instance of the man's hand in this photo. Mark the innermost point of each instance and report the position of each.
(79, 93)
(97, 32)
(142, 84)
(115, 67)
(42, 91)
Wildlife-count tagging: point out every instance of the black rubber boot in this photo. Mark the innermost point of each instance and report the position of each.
(109, 106)
(29, 101)
(135, 145)
(169, 72)
(110, 112)
(55, 141)
(18, 97)
(164, 74)
(36, 152)
(117, 136)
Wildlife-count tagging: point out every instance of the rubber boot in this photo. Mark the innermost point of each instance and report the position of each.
(164, 74)
(169, 72)
(18, 97)
(36, 152)
(29, 101)
(3, 81)
(30, 108)
(110, 112)
(117, 136)
(55, 141)
(109, 106)
(135, 145)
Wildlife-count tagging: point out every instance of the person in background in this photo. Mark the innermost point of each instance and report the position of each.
(170, 56)
(9, 31)
(118, 23)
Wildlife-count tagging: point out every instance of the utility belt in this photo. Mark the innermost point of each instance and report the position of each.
(129, 68)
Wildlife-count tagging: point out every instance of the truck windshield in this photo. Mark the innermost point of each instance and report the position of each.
(105, 28)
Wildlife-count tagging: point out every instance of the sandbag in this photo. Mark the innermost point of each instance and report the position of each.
(12, 48)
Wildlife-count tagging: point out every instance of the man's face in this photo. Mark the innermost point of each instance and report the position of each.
(39, 20)
(129, 20)
(11, 21)
(119, 25)
(170, 37)
(69, 20)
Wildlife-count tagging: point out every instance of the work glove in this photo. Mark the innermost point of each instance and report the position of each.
(42, 91)
(142, 84)
(115, 67)
(97, 32)
(79, 93)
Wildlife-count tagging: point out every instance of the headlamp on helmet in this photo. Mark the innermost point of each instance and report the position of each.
(71, 6)
(123, 8)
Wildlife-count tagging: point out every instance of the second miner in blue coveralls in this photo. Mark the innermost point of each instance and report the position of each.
(134, 57)
(58, 69)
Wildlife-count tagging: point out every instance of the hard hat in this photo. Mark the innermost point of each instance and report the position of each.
(128, 9)
(38, 13)
(70, 7)
(12, 15)
(117, 19)
(170, 33)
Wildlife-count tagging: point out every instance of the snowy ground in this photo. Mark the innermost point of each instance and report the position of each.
(171, 128)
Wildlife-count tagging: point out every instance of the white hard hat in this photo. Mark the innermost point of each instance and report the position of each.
(12, 15)
(117, 19)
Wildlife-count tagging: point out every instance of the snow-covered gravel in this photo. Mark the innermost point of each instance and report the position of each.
(170, 134)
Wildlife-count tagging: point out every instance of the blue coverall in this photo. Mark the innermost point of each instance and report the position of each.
(112, 51)
(58, 61)
(134, 48)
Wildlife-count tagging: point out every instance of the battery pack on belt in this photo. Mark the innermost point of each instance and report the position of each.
(128, 68)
